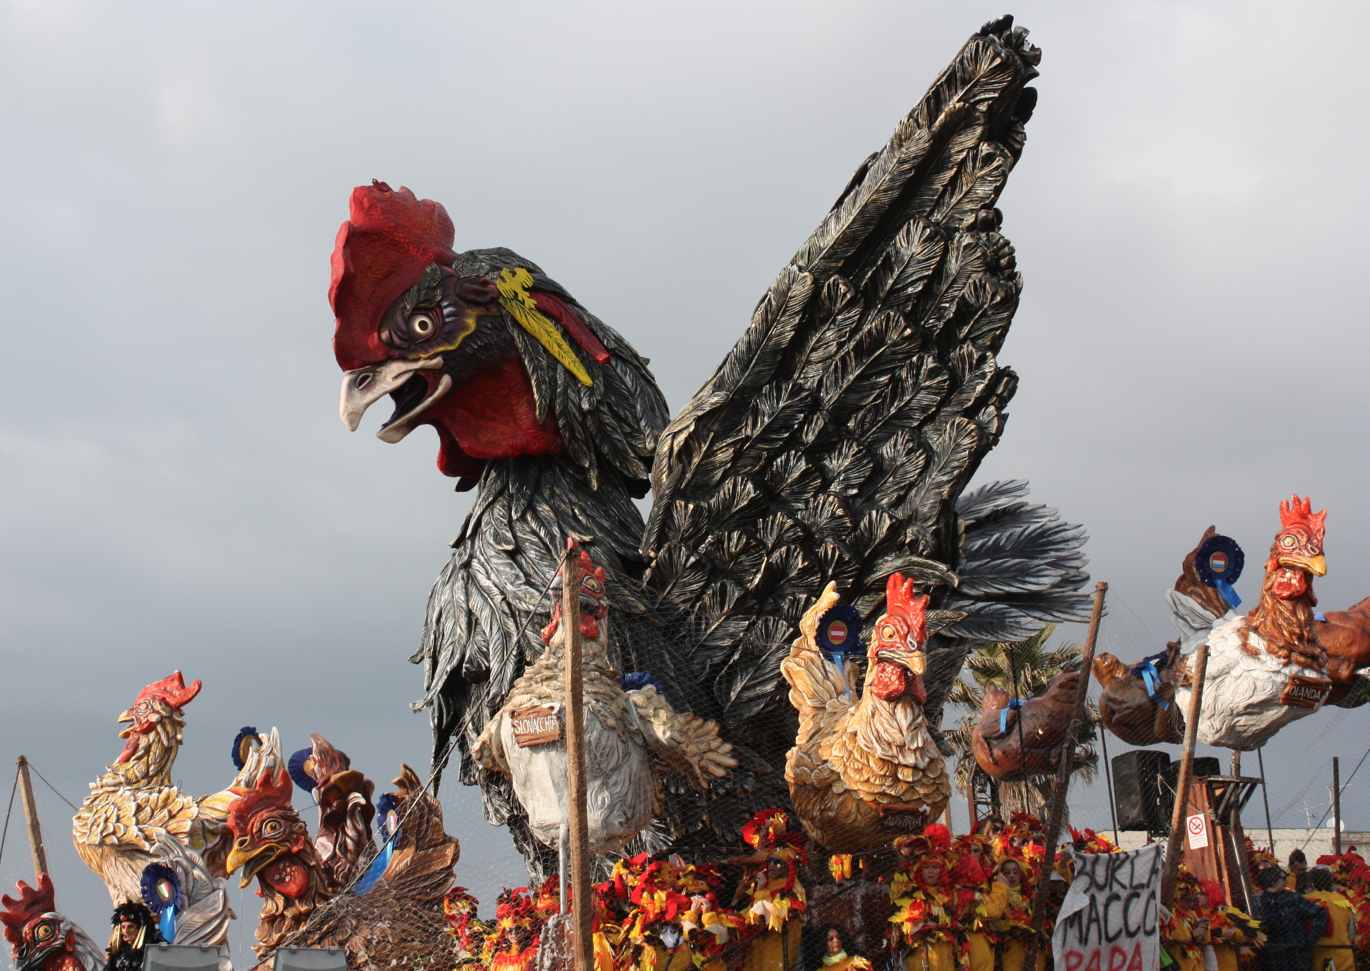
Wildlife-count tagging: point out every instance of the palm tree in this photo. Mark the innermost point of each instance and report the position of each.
(1024, 670)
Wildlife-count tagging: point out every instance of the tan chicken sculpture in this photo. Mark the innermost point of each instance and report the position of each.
(864, 767)
(135, 817)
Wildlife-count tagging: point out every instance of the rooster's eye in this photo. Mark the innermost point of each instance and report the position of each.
(43, 931)
(1288, 541)
(888, 632)
(421, 326)
(272, 827)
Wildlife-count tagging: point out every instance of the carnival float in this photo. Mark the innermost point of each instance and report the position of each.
(716, 733)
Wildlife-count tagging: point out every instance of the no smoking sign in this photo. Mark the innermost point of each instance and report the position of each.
(1198, 831)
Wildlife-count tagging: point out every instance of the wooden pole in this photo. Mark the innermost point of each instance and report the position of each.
(582, 910)
(970, 801)
(1265, 798)
(1173, 845)
(40, 858)
(1336, 806)
(1063, 770)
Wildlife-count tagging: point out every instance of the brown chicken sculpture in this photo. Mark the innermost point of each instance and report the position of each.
(395, 921)
(864, 768)
(1023, 741)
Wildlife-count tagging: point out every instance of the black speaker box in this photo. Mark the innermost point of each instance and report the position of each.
(1136, 789)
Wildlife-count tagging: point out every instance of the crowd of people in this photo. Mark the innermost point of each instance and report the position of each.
(941, 903)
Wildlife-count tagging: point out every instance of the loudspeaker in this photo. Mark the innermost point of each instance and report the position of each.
(1136, 788)
(1204, 767)
(180, 957)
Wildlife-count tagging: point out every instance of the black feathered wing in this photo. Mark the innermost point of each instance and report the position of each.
(834, 440)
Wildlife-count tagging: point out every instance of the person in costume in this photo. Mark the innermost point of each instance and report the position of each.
(837, 954)
(1009, 909)
(1335, 946)
(1292, 923)
(923, 925)
(1297, 880)
(1232, 934)
(134, 929)
(775, 899)
(970, 880)
(1185, 933)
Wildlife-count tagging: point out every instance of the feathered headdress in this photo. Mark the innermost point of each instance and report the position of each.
(769, 830)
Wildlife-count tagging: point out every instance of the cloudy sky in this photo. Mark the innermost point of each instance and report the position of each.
(176, 489)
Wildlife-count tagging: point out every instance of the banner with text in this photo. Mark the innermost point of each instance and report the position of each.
(1110, 918)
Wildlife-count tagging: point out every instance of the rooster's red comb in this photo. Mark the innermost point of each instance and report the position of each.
(1299, 512)
(901, 601)
(271, 790)
(30, 903)
(390, 238)
(171, 690)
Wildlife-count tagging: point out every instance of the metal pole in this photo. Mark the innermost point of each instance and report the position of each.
(1058, 795)
(1336, 806)
(1177, 817)
(1108, 777)
(40, 858)
(581, 908)
(1265, 798)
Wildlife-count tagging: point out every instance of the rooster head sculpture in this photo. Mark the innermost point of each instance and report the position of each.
(1284, 616)
(155, 721)
(42, 939)
(594, 603)
(271, 842)
(898, 644)
(408, 325)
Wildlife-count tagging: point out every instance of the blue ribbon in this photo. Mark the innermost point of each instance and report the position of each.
(377, 868)
(1151, 677)
(1003, 713)
(1228, 593)
(167, 924)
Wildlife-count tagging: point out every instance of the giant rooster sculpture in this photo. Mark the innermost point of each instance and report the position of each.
(134, 817)
(395, 921)
(633, 735)
(41, 938)
(831, 445)
(865, 769)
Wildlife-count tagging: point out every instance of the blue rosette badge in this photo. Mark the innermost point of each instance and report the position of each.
(839, 634)
(1219, 563)
(839, 631)
(161, 891)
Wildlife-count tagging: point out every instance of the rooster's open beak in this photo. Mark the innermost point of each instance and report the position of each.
(365, 386)
(1316, 565)
(253, 859)
(915, 661)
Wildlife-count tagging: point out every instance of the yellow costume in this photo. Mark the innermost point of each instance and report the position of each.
(1011, 917)
(1338, 932)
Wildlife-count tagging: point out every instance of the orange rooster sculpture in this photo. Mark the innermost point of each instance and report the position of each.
(1266, 668)
(864, 768)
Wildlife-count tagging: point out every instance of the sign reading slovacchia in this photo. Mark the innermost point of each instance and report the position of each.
(1110, 916)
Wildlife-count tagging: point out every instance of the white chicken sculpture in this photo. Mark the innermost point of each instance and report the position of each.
(632, 737)
(1265, 668)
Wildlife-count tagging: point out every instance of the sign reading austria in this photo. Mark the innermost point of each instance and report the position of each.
(1110, 916)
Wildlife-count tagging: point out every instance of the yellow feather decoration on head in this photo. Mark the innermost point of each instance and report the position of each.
(513, 297)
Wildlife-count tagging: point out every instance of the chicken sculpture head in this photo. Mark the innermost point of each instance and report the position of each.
(154, 721)
(40, 938)
(439, 342)
(594, 602)
(271, 842)
(1284, 616)
(898, 644)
